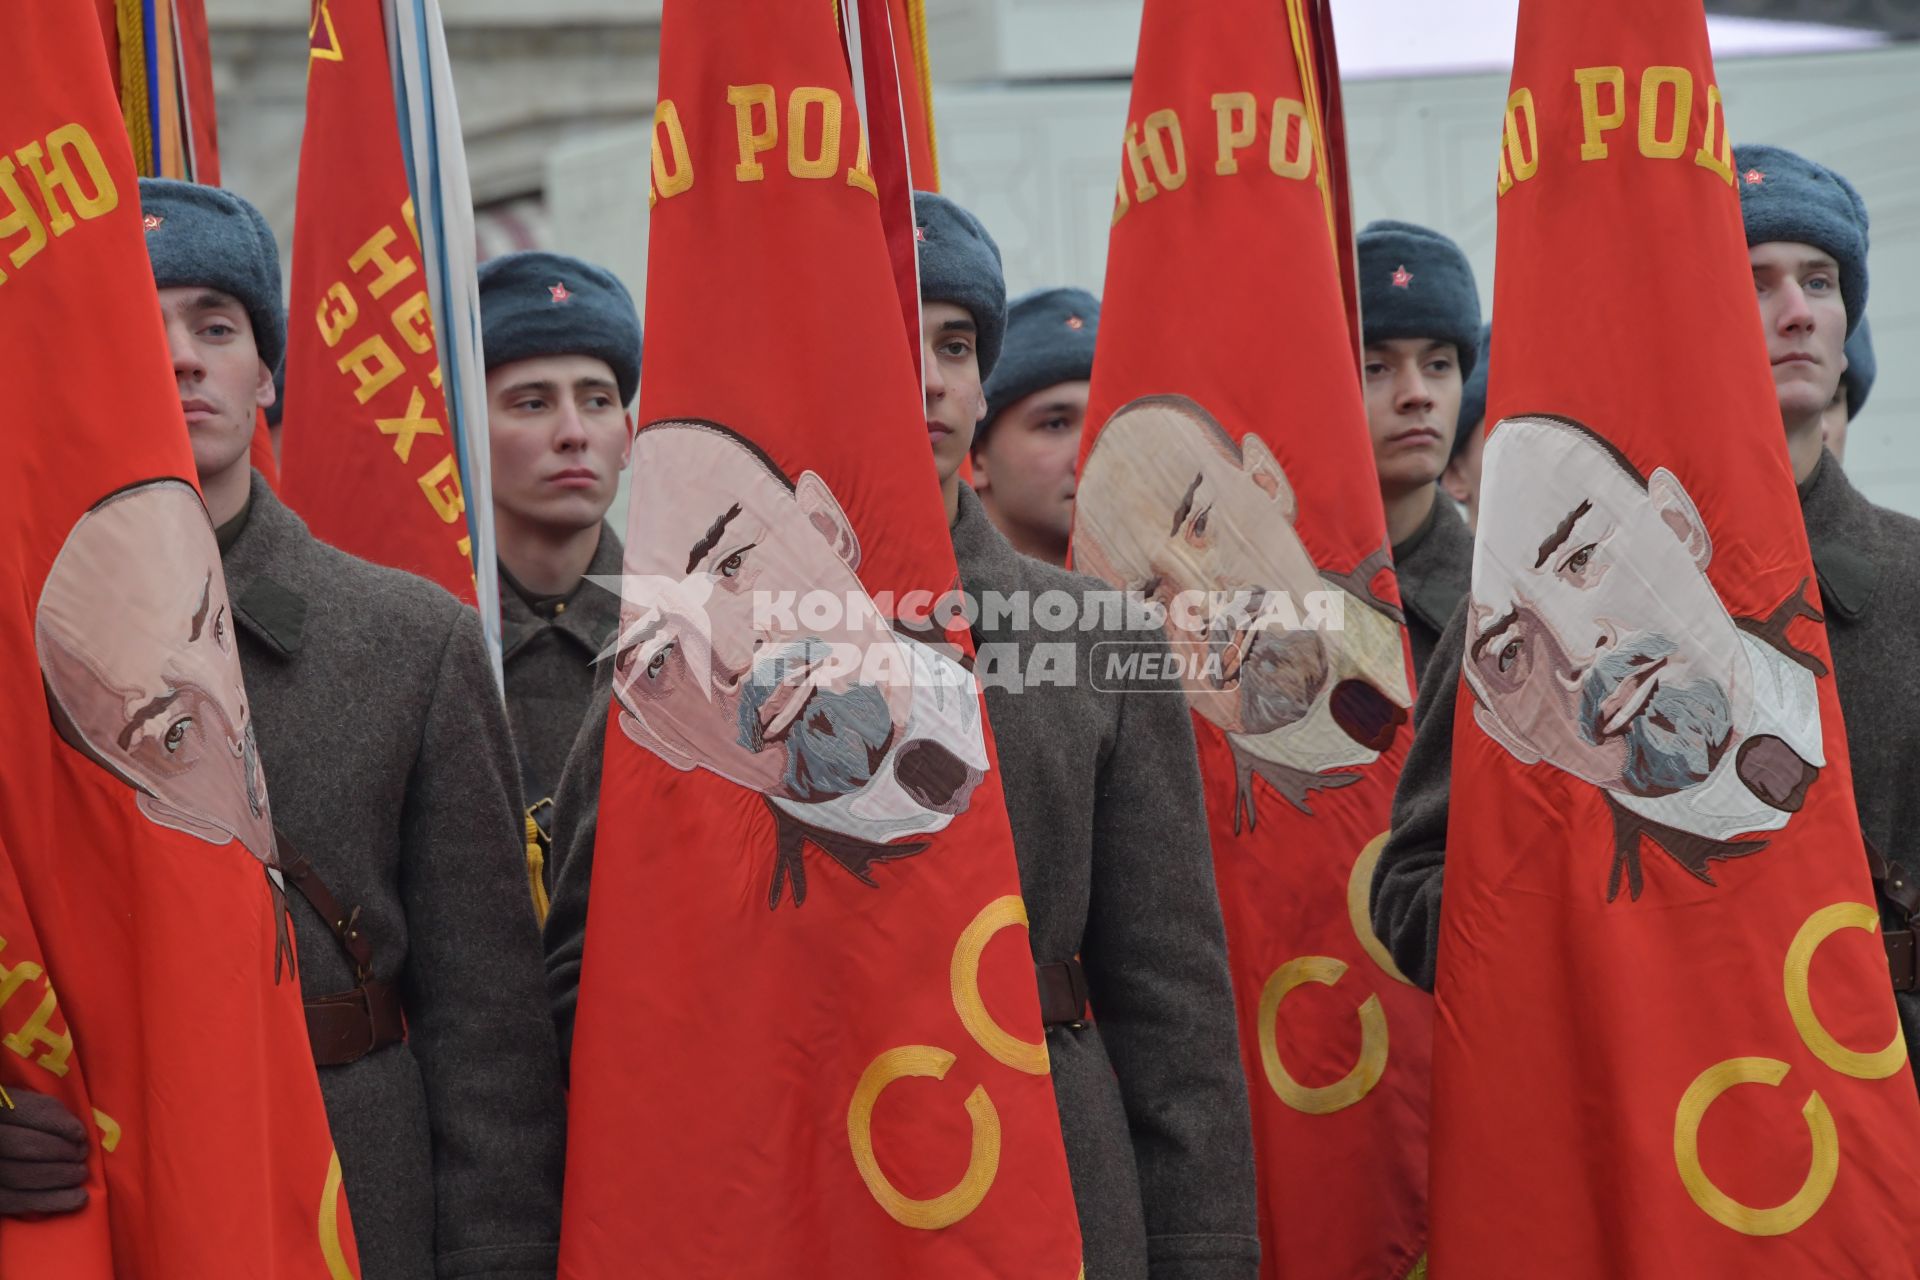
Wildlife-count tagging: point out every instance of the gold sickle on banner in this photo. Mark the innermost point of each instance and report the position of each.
(330, 1246)
(982, 1166)
(1366, 1072)
(1008, 1050)
(1360, 916)
(1820, 926)
(1717, 1204)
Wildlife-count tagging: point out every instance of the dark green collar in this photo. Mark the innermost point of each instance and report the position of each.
(1840, 533)
(229, 533)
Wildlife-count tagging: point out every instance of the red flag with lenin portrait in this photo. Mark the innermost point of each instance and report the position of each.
(808, 1038)
(1227, 475)
(369, 460)
(138, 875)
(1665, 1040)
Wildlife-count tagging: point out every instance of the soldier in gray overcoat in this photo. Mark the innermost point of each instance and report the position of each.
(1807, 231)
(1110, 830)
(562, 342)
(1420, 313)
(391, 772)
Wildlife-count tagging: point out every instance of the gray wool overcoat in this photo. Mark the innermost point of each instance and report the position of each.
(1434, 567)
(389, 767)
(1864, 556)
(549, 665)
(1109, 828)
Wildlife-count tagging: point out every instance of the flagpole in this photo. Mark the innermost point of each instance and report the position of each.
(443, 211)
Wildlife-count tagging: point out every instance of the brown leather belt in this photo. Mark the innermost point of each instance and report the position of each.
(1900, 959)
(347, 1026)
(1063, 993)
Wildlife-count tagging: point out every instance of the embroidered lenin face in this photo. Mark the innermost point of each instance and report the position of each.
(136, 644)
(748, 645)
(1170, 507)
(1597, 643)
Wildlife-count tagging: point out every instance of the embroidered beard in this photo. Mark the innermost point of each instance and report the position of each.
(837, 741)
(1280, 674)
(1676, 739)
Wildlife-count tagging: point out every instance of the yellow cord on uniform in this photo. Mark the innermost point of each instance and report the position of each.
(537, 871)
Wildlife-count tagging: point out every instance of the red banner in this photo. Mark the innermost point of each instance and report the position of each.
(800, 825)
(133, 816)
(1228, 477)
(1666, 1041)
(369, 463)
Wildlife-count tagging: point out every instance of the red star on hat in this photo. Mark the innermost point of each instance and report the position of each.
(1402, 278)
(152, 221)
(920, 234)
(1075, 322)
(559, 292)
(1754, 177)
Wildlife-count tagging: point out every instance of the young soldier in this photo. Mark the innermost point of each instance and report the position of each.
(1855, 384)
(1421, 315)
(563, 362)
(1103, 793)
(1025, 450)
(392, 779)
(1807, 240)
(1461, 479)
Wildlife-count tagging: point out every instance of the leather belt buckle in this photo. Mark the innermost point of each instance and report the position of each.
(1900, 959)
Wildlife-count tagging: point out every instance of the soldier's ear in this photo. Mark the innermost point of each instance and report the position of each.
(1677, 512)
(824, 514)
(159, 811)
(1260, 466)
(264, 392)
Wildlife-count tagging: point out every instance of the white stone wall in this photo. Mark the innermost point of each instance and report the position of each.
(554, 94)
(1038, 164)
(529, 74)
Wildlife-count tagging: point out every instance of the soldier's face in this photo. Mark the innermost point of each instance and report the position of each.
(222, 381)
(950, 378)
(1024, 467)
(1412, 388)
(1595, 639)
(1805, 318)
(1165, 512)
(748, 645)
(137, 645)
(560, 439)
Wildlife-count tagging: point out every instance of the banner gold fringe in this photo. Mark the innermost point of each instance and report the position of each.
(134, 92)
(923, 65)
(1310, 82)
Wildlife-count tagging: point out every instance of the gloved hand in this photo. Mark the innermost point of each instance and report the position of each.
(43, 1155)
